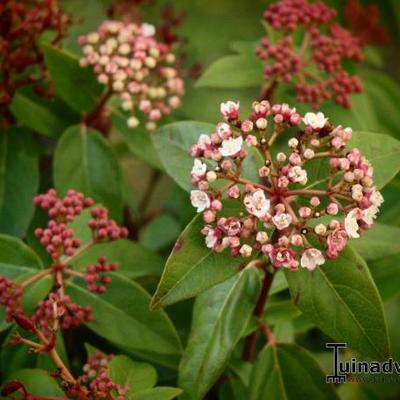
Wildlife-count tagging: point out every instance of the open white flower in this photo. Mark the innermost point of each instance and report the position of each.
(231, 146)
(311, 259)
(200, 200)
(315, 120)
(199, 168)
(257, 204)
(369, 214)
(282, 220)
(376, 198)
(298, 175)
(350, 223)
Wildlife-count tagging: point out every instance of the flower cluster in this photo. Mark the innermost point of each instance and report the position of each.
(289, 214)
(96, 379)
(96, 276)
(316, 66)
(22, 23)
(129, 60)
(10, 297)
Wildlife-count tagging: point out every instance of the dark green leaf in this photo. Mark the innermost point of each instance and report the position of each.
(287, 371)
(219, 318)
(77, 86)
(158, 393)
(122, 316)
(85, 162)
(342, 300)
(14, 251)
(19, 180)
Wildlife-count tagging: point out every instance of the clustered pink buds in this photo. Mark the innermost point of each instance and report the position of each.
(10, 297)
(316, 66)
(103, 228)
(96, 379)
(129, 60)
(287, 211)
(96, 275)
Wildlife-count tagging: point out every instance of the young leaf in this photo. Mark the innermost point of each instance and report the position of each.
(122, 316)
(138, 140)
(133, 259)
(173, 142)
(192, 268)
(233, 72)
(342, 300)
(38, 382)
(84, 161)
(378, 242)
(219, 318)
(158, 393)
(19, 180)
(77, 86)
(139, 376)
(382, 151)
(288, 372)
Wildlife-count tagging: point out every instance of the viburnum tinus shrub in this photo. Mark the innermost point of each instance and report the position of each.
(282, 214)
(313, 64)
(127, 58)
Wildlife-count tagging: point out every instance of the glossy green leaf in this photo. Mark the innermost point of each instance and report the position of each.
(123, 317)
(85, 162)
(138, 140)
(77, 86)
(288, 372)
(19, 180)
(133, 259)
(139, 376)
(173, 142)
(40, 115)
(386, 274)
(382, 151)
(233, 72)
(378, 242)
(14, 251)
(219, 318)
(38, 382)
(342, 300)
(158, 393)
(192, 268)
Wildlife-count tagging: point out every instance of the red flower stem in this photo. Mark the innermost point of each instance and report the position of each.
(250, 341)
(68, 260)
(36, 277)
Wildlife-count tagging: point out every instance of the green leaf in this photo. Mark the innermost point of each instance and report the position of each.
(84, 161)
(382, 151)
(287, 371)
(123, 317)
(386, 274)
(220, 317)
(342, 300)
(192, 268)
(139, 376)
(77, 86)
(40, 115)
(173, 142)
(233, 72)
(232, 389)
(138, 140)
(133, 259)
(14, 251)
(378, 242)
(38, 382)
(158, 393)
(19, 180)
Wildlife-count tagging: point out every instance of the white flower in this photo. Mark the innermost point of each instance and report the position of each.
(256, 203)
(298, 175)
(211, 239)
(376, 198)
(199, 168)
(222, 129)
(316, 121)
(148, 29)
(204, 141)
(231, 146)
(369, 214)
(351, 224)
(200, 200)
(282, 220)
(230, 109)
(311, 258)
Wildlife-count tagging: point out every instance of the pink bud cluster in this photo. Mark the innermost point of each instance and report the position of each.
(96, 378)
(96, 275)
(59, 307)
(103, 228)
(316, 67)
(10, 297)
(129, 60)
(288, 214)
